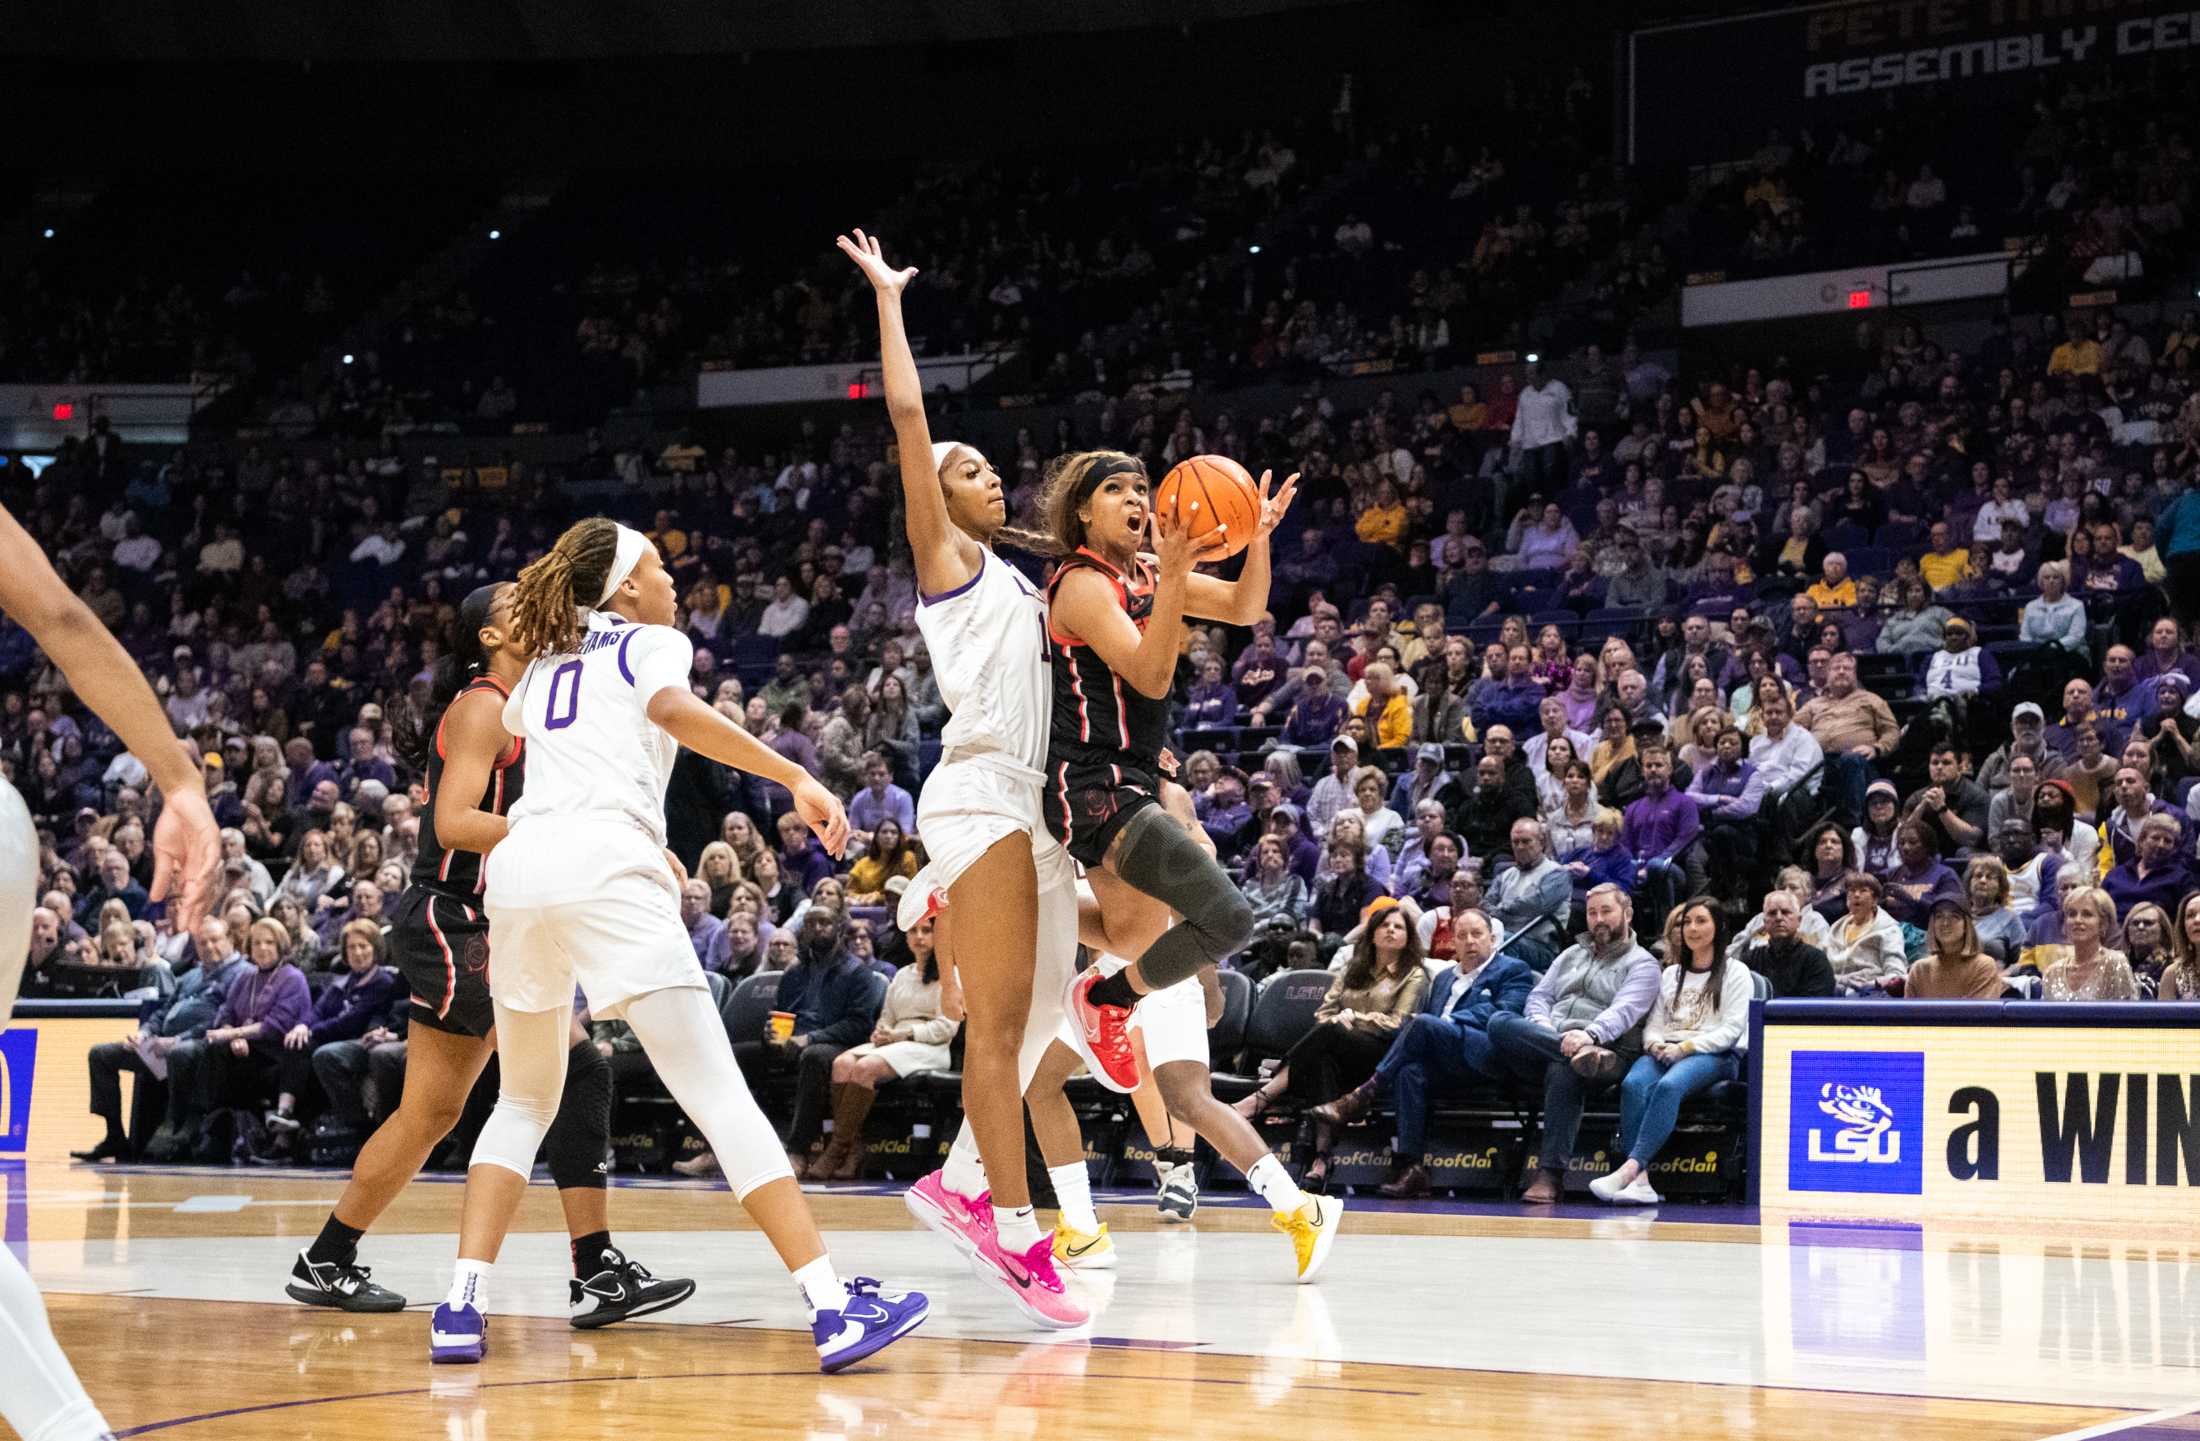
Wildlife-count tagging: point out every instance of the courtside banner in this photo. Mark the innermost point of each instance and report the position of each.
(1709, 90)
(1918, 1109)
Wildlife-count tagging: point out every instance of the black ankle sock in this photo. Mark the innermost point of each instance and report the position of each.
(588, 1253)
(337, 1242)
(1115, 991)
(1172, 1155)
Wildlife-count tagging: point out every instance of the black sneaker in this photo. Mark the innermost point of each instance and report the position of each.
(342, 1286)
(622, 1290)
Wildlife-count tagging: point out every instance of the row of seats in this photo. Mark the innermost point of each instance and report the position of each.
(912, 1122)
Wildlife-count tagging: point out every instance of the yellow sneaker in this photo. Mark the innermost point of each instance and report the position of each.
(1312, 1227)
(1081, 1250)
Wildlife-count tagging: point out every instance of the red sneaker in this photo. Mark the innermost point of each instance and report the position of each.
(1102, 1034)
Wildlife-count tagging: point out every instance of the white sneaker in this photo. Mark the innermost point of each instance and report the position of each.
(1639, 1193)
(1178, 1195)
(1606, 1189)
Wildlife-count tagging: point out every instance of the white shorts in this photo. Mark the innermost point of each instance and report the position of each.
(18, 894)
(968, 805)
(1172, 1022)
(583, 901)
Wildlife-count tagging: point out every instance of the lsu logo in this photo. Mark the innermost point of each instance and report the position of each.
(1856, 1122)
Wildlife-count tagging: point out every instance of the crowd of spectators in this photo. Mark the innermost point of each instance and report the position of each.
(1502, 677)
(1860, 680)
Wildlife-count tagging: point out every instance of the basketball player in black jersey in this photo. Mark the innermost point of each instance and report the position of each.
(440, 941)
(1116, 620)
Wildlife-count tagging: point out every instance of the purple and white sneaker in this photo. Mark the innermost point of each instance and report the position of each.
(871, 1321)
(966, 1221)
(457, 1335)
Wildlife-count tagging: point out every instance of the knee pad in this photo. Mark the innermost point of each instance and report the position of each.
(580, 1139)
(1161, 859)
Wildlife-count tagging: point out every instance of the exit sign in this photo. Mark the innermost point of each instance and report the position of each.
(1860, 299)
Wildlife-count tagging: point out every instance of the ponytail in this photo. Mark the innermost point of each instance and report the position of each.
(546, 603)
(462, 662)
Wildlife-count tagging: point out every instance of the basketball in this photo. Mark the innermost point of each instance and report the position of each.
(1221, 489)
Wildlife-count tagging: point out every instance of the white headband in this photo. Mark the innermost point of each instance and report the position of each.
(941, 449)
(631, 545)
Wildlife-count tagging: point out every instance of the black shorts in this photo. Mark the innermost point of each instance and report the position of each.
(440, 945)
(1085, 806)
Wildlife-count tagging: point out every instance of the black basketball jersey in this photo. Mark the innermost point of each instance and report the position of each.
(1098, 720)
(458, 873)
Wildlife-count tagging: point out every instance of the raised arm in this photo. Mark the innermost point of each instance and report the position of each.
(703, 730)
(1244, 600)
(473, 737)
(187, 847)
(945, 557)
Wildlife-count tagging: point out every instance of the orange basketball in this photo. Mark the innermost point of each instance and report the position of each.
(1222, 493)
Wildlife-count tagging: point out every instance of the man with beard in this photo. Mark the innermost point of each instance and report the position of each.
(1580, 1031)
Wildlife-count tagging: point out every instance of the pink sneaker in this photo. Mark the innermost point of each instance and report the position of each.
(1031, 1281)
(966, 1221)
(1102, 1034)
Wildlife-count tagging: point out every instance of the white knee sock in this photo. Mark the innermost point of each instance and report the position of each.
(686, 1043)
(964, 1172)
(41, 1399)
(1073, 1193)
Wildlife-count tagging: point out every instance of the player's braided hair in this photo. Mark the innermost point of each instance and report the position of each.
(545, 615)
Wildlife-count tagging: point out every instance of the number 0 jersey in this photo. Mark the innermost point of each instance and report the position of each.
(592, 749)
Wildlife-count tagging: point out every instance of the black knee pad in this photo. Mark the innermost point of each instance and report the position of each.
(1161, 859)
(578, 1146)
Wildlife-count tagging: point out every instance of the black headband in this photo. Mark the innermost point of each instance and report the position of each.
(1102, 469)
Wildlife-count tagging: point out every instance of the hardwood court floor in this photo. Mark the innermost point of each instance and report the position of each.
(166, 1287)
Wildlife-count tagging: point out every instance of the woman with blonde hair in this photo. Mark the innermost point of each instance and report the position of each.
(1698, 738)
(739, 832)
(2091, 971)
(721, 869)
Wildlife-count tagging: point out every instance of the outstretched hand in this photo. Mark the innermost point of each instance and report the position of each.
(1273, 508)
(864, 251)
(187, 857)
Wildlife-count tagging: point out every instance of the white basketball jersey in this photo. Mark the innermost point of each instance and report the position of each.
(990, 653)
(592, 749)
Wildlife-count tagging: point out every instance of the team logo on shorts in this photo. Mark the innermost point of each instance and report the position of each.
(1097, 803)
(477, 955)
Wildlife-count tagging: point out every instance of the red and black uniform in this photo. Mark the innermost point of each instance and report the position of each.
(439, 937)
(1104, 758)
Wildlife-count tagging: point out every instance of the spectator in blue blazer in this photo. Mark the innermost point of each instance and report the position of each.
(1443, 1047)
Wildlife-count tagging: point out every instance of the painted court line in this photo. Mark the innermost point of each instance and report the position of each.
(2128, 1425)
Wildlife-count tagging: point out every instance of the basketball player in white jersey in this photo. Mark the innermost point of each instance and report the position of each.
(39, 1393)
(582, 888)
(1009, 929)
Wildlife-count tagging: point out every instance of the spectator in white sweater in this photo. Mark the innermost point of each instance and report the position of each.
(916, 1025)
(1690, 1043)
(2057, 617)
(1865, 946)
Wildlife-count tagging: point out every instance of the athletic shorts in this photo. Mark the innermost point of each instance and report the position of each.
(574, 899)
(1172, 1021)
(440, 945)
(1085, 806)
(968, 805)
